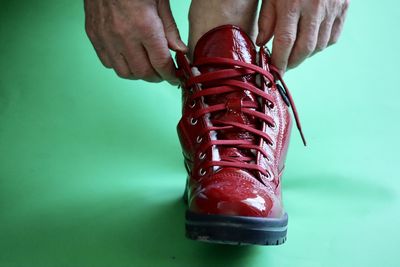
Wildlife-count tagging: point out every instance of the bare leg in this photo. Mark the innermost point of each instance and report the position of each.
(206, 15)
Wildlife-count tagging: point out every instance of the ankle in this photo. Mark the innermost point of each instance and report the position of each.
(206, 15)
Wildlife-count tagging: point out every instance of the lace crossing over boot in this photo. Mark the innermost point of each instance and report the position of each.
(234, 134)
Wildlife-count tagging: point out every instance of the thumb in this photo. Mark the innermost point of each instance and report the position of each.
(171, 30)
(266, 22)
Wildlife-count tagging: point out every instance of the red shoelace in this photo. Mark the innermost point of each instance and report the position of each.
(225, 78)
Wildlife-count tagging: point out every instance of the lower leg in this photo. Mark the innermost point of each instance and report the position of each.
(206, 15)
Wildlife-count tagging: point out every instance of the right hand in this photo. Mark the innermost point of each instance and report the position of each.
(134, 37)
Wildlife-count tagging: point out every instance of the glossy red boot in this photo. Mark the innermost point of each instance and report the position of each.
(234, 134)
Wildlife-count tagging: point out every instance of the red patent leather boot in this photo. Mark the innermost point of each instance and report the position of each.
(234, 134)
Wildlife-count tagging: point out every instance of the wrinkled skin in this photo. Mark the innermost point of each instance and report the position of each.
(300, 28)
(134, 36)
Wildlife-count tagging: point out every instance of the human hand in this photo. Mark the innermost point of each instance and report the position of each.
(134, 36)
(300, 28)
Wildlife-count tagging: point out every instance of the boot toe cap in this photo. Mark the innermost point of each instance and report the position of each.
(237, 194)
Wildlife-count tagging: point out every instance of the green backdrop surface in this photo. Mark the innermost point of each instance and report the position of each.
(91, 172)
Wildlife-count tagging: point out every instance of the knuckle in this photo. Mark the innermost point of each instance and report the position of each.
(151, 35)
(313, 25)
(307, 47)
(171, 26)
(286, 39)
(293, 6)
(125, 74)
(144, 20)
(161, 63)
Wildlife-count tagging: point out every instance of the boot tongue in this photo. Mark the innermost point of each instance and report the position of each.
(228, 42)
(233, 43)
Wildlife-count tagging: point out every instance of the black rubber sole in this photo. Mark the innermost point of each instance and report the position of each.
(236, 230)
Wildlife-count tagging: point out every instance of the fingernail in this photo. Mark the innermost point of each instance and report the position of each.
(181, 45)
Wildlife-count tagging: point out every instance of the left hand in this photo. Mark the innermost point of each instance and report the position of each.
(300, 28)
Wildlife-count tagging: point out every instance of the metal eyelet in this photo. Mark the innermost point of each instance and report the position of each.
(271, 144)
(193, 104)
(199, 139)
(193, 121)
(270, 105)
(202, 172)
(202, 155)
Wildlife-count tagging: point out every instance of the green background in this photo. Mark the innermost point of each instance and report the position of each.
(91, 172)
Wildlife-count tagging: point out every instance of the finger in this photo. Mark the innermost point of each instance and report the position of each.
(266, 22)
(338, 24)
(103, 56)
(113, 47)
(160, 58)
(336, 30)
(121, 68)
(285, 36)
(100, 51)
(306, 40)
(171, 30)
(92, 31)
(139, 63)
(323, 35)
(117, 61)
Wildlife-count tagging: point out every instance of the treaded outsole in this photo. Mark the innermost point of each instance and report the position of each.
(236, 230)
